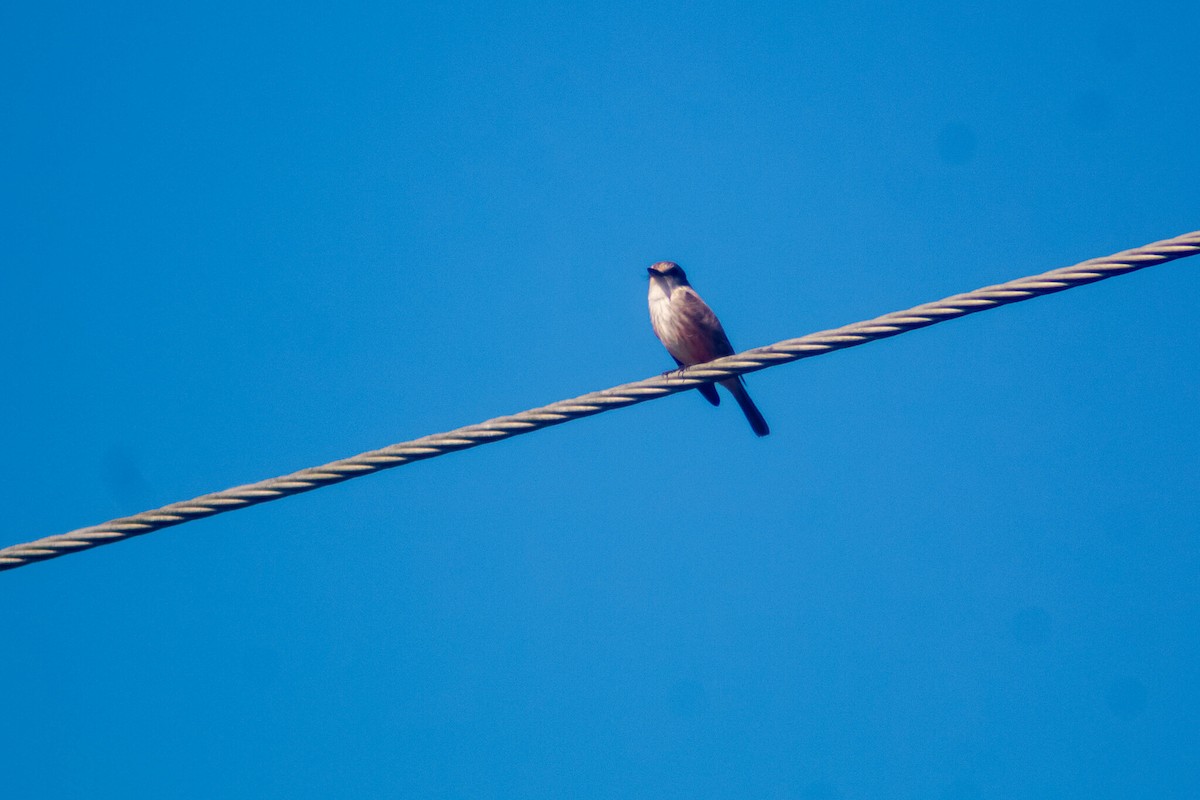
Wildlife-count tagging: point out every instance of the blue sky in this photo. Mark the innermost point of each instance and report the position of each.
(244, 239)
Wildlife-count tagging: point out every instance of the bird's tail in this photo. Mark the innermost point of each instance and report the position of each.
(753, 415)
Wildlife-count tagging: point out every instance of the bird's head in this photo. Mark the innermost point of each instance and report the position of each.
(668, 273)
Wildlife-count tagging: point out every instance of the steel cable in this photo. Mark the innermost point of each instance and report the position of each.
(813, 344)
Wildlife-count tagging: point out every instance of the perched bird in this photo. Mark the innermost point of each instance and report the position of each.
(692, 334)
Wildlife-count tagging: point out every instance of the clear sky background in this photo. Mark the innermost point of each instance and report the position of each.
(241, 239)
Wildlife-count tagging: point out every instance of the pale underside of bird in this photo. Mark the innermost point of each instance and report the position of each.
(692, 334)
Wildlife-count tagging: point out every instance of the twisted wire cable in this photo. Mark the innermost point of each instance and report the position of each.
(494, 430)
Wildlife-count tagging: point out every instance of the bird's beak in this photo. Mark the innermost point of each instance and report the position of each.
(652, 271)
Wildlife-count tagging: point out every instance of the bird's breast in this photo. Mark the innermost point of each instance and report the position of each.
(661, 317)
(673, 328)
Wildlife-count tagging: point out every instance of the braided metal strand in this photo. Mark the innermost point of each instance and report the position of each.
(813, 344)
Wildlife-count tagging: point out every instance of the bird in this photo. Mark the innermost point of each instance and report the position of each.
(692, 334)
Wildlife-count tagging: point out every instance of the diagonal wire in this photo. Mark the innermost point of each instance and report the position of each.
(814, 344)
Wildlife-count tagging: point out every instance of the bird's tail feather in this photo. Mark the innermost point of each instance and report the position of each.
(757, 423)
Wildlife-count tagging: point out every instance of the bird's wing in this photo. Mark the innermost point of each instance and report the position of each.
(703, 321)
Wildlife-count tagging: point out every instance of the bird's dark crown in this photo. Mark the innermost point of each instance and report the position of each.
(667, 269)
